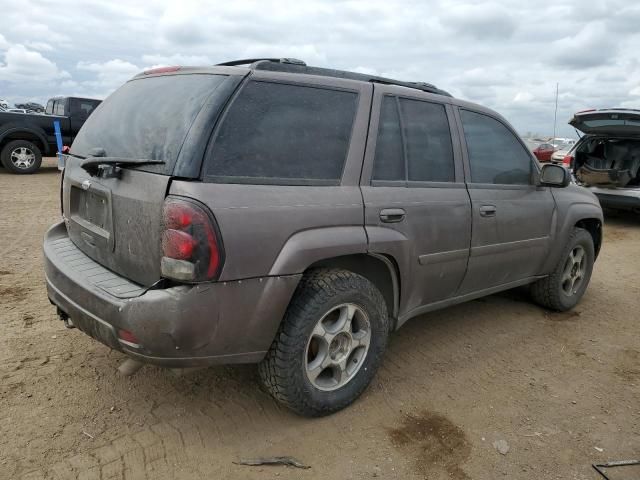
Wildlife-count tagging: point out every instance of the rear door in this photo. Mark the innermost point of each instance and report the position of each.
(417, 209)
(512, 217)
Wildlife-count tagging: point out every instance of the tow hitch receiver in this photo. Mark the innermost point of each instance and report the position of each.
(65, 318)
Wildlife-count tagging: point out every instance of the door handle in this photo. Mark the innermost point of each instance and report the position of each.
(488, 211)
(392, 215)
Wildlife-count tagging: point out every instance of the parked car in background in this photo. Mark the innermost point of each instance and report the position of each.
(16, 110)
(31, 107)
(4, 104)
(24, 139)
(607, 158)
(543, 152)
(559, 155)
(294, 216)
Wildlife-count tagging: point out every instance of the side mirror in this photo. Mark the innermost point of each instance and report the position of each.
(554, 176)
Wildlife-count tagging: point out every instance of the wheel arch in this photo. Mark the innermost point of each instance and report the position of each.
(380, 270)
(594, 227)
(582, 215)
(22, 133)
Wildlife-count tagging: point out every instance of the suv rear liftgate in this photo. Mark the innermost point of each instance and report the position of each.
(609, 154)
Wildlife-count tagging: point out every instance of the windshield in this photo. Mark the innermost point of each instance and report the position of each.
(147, 119)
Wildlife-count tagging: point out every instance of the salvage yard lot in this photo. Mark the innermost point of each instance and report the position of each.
(561, 389)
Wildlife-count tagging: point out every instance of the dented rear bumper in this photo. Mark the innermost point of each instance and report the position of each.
(182, 326)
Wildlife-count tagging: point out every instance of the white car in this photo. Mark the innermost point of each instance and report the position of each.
(4, 104)
(559, 155)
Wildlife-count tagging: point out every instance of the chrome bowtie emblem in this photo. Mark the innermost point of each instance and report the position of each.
(86, 184)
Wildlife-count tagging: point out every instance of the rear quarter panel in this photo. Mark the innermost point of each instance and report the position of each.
(280, 230)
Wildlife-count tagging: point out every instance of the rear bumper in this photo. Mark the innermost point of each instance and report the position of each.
(188, 325)
(625, 199)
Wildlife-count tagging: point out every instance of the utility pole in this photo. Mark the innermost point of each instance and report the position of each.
(555, 113)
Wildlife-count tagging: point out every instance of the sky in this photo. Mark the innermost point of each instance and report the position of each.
(502, 54)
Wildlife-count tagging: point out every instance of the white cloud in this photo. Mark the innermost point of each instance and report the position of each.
(504, 54)
(40, 46)
(3, 43)
(25, 66)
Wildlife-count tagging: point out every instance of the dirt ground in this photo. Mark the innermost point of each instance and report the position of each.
(563, 390)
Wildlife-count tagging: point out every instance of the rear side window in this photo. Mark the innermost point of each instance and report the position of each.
(283, 134)
(428, 141)
(414, 142)
(49, 109)
(495, 154)
(389, 160)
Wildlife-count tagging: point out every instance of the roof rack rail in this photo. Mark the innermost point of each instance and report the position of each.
(250, 61)
(293, 65)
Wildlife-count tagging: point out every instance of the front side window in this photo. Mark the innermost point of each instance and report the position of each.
(414, 142)
(283, 134)
(495, 154)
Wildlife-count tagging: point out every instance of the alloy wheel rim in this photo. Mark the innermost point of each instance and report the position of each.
(574, 271)
(337, 347)
(23, 157)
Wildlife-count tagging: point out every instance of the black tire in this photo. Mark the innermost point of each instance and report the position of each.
(11, 147)
(550, 292)
(284, 369)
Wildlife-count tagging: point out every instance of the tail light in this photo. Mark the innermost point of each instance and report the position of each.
(566, 161)
(191, 247)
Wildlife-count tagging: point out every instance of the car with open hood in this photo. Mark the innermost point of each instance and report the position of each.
(607, 157)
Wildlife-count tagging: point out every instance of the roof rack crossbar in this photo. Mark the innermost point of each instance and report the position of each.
(250, 61)
(294, 65)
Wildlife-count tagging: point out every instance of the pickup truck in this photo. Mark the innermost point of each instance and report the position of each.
(25, 138)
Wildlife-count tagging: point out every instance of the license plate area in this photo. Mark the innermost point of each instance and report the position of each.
(90, 213)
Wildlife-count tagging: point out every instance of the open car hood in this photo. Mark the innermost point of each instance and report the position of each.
(611, 121)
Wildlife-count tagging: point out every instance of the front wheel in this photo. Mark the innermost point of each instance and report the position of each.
(563, 289)
(329, 345)
(21, 156)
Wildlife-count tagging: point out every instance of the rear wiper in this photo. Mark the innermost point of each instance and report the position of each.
(107, 167)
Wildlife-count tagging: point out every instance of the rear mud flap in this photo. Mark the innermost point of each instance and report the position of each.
(603, 178)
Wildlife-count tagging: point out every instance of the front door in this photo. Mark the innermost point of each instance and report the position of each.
(512, 217)
(417, 209)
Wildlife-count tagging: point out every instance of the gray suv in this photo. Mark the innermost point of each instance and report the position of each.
(269, 212)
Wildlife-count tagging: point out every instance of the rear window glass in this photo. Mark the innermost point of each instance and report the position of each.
(611, 123)
(283, 134)
(147, 118)
(82, 107)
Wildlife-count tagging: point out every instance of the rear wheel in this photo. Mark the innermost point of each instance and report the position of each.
(329, 345)
(564, 288)
(21, 156)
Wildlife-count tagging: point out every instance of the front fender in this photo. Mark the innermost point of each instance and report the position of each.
(310, 246)
(569, 215)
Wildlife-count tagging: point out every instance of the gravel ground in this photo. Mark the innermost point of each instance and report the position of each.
(560, 391)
